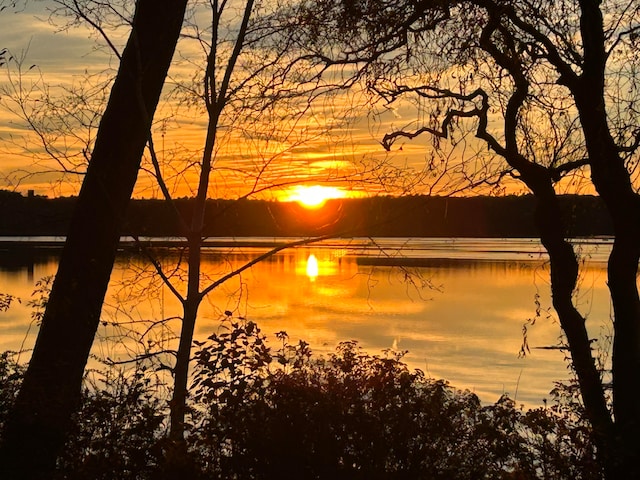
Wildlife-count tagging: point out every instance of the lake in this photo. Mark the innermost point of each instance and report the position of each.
(457, 305)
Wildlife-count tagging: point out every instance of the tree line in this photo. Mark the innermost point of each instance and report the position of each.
(381, 216)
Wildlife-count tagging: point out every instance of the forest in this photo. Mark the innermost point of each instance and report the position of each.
(382, 216)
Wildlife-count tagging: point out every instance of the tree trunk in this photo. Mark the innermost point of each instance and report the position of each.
(181, 370)
(564, 277)
(613, 183)
(35, 431)
(552, 230)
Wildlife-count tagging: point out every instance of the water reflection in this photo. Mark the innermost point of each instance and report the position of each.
(460, 318)
(312, 267)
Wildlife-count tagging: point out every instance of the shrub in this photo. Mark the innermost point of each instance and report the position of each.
(286, 414)
(116, 432)
(262, 413)
(11, 372)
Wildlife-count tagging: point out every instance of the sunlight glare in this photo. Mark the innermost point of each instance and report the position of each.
(314, 196)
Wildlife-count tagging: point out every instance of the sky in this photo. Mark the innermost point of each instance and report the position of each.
(321, 148)
(333, 149)
(336, 144)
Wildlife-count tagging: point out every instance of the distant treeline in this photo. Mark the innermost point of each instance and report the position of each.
(409, 216)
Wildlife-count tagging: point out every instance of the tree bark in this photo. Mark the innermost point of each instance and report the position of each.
(216, 101)
(36, 430)
(613, 183)
(564, 278)
(181, 370)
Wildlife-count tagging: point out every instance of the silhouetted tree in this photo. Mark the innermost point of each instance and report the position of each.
(249, 86)
(241, 88)
(35, 431)
(549, 87)
(255, 91)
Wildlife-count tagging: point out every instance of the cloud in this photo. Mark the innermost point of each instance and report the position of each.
(28, 34)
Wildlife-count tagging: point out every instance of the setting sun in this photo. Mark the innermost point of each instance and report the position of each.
(314, 196)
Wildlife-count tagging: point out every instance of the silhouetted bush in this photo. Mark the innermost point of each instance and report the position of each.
(285, 414)
(11, 372)
(117, 430)
(262, 413)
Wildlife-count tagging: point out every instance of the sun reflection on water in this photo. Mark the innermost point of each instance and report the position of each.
(312, 267)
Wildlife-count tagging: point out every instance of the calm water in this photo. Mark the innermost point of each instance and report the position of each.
(457, 305)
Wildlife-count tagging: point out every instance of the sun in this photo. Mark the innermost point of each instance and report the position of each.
(314, 196)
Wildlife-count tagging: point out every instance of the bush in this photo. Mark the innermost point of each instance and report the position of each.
(117, 431)
(287, 415)
(260, 413)
(11, 372)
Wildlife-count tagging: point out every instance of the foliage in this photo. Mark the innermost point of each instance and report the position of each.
(259, 412)
(353, 415)
(39, 298)
(117, 429)
(10, 377)
(6, 300)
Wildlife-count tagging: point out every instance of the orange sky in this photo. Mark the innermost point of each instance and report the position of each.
(335, 144)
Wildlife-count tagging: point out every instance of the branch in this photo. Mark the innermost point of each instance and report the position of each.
(143, 356)
(159, 269)
(260, 258)
(162, 184)
(558, 172)
(98, 28)
(629, 32)
(452, 114)
(634, 145)
(567, 75)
